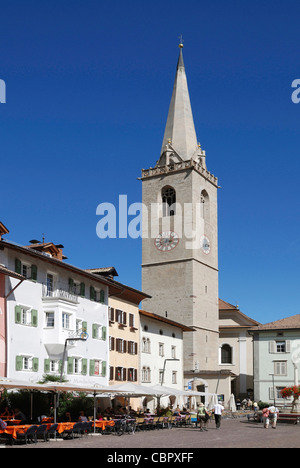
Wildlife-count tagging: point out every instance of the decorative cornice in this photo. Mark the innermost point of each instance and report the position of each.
(178, 167)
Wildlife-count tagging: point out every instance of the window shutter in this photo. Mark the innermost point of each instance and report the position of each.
(34, 272)
(92, 293)
(70, 365)
(34, 318)
(135, 375)
(102, 296)
(84, 326)
(124, 374)
(18, 266)
(35, 364)
(95, 329)
(104, 333)
(92, 367)
(82, 289)
(124, 318)
(136, 348)
(111, 373)
(84, 367)
(124, 346)
(18, 312)
(103, 368)
(112, 314)
(46, 366)
(71, 285)
(112, 343)
(271, 393)
(19, 363)
(272, 347)
(288, 346)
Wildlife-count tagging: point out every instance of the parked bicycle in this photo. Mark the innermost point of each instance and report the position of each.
(125, 425)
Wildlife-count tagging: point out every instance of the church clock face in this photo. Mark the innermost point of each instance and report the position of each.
(205, 244)
(166, 241)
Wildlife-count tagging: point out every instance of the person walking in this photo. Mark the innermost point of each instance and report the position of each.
(265, 416)
(218, 410)
(273, 415)
(202, 417)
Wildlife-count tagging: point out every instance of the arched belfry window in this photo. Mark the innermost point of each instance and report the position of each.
(204, 205)
(168, 196)
(226, 354)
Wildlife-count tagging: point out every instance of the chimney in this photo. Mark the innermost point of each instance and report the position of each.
(3, 230)
(48, 248)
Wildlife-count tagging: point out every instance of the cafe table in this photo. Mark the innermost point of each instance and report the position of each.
(15, 430)
(102, 424)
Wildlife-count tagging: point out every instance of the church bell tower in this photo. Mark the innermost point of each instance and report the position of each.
(180, 233)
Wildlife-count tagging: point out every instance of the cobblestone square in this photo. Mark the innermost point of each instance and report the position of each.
(234, 433)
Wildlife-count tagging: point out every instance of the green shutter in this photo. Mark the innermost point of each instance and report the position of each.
(71, 285)
(35, 364)
(102, 296)
(84, 367)
(70, 366)
(82, 289)
(95, 331)
(104, 369)
(92, 293)
(34, 272)
(18, 266)
(46, 366)
(18, 312)
(19, 363)
(84, 327)
(92, 367)
(34, 318)
(104, 333)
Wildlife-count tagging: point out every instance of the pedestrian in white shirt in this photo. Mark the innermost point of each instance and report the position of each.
(273, 415)
(218, 410)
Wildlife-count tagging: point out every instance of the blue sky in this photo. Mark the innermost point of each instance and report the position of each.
(88, 89)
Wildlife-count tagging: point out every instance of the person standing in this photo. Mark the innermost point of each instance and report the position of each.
(218, 410)
(202, 417)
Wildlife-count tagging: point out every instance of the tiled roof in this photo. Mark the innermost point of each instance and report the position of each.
(13, 274)
(285, 323)
(166, 320)
(226, 305)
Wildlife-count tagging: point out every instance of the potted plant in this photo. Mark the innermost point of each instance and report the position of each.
(294, 392)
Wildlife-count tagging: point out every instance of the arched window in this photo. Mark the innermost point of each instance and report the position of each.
(204, 205)
(146, 345)
(168, 196)
(226, 354)
(146, 374)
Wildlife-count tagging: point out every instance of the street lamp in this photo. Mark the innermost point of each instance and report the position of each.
(164, 368)
(83, 337)
(65, 351)
(274, 390)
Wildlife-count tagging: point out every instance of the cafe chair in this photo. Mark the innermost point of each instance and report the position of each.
(77, 429)
(29, 435)
(52, 430)
(41, 432)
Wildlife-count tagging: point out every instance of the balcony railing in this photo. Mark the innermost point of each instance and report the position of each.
(59, 291)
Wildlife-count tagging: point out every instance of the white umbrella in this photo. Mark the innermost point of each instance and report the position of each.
(213, 401)
(232, 405)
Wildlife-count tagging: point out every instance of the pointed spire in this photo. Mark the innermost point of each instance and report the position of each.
(180, 128)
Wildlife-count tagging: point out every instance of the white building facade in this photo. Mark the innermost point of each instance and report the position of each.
(161, 352)
(276, 358)
(54, 304)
